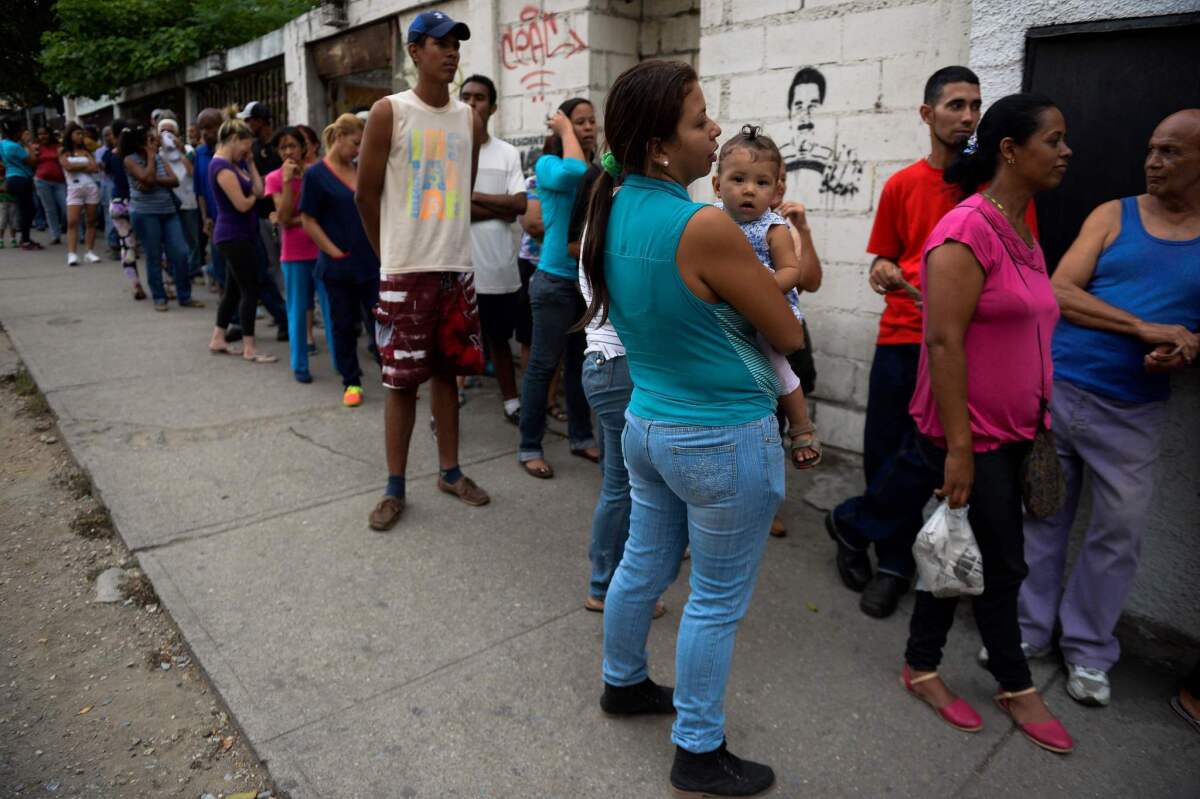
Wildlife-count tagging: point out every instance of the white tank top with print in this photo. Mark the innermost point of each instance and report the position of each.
(425, 212)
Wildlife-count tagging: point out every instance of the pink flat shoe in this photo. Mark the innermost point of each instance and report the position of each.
(958, 714)
(1050, 735)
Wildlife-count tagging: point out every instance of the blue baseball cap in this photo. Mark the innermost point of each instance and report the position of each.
(437, 25)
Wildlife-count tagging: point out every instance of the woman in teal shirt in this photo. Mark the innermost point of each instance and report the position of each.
(554, 295)
(686, 294)
(18, 175)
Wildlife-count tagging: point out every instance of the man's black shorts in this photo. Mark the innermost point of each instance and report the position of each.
(500, 315)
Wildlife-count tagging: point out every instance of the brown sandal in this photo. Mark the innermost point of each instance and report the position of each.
(543, 473)
(805, 438)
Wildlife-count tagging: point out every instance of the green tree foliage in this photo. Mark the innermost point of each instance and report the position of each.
(21, 27)
(101, 45)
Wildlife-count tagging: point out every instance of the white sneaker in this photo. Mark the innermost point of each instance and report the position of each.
(1088, 686)
(72, 259)
(1030, 653)
(91, 257)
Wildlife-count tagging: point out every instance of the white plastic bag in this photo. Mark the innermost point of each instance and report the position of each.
(948, 559)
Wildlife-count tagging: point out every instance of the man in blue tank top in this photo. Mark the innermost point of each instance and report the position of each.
(1129, 289)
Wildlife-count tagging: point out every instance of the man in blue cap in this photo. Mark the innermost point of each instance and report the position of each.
(415, 178)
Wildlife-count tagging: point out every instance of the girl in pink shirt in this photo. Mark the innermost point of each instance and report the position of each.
(298, 253)
(983, 383)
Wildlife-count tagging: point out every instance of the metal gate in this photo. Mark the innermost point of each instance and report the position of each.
(263, 82)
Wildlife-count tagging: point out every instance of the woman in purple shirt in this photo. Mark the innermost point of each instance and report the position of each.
(982, 389)
(236, 187)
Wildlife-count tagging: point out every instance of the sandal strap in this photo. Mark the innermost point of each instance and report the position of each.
(922, 678)
(807, 430)
(1003, 695)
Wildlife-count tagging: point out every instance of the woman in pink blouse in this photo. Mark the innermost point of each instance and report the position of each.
(298, 254)
(982, 385)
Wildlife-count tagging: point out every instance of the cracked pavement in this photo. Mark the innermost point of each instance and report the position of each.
(452, 656)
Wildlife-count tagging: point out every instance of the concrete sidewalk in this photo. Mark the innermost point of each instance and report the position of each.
(453, 657)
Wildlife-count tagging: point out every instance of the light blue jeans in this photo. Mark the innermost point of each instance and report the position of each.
(714, 489)
(607, 385)
(53, 195)
(300, 281)
(163, 234)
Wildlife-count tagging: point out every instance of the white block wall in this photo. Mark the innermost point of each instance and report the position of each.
(875, 61)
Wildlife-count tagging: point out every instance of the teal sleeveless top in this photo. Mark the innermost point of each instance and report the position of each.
(692, 362)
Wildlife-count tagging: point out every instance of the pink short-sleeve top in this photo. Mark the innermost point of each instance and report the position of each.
(295, 245)
(1007, 343)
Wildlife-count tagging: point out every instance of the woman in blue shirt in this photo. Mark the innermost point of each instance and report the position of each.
(686, 294)
(554, 293)
(18, 175)
(347, 263)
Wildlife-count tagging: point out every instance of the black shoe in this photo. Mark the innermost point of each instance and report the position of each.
(233, 333)
(882, 594)
(718, 773)
(282, 333)
(642, 699)
(853, 566)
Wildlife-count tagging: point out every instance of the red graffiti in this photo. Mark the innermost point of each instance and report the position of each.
(532, 42)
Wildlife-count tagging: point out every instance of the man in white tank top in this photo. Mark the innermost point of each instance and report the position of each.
(415, 178)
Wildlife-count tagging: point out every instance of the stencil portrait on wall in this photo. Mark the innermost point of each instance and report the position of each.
(812, 162)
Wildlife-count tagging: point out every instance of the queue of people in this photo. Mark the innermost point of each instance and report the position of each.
(677, 324)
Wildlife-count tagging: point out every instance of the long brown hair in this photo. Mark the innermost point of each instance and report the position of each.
(68, 133)
(644, 104)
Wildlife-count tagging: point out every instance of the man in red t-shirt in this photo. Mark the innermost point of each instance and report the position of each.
(913, 201)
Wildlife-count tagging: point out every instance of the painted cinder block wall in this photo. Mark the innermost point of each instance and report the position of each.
(874, 61)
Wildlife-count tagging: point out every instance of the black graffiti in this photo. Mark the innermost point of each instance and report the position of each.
(839, 168)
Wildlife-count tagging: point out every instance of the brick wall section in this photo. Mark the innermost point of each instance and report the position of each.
(875, 57)
(671, 30)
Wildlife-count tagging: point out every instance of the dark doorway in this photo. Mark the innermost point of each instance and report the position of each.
(1114, 81)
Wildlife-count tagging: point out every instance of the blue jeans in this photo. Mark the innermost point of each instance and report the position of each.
(217, 260)
(268, 289)
(888, 435)
(189, 219)
(161, 233)
(714, 489)
(608, 386)
(54, 203)
(300, 281)
(557, 306)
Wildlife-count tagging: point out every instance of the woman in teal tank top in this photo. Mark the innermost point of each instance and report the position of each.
(686, 294)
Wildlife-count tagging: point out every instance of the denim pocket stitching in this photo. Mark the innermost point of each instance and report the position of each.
(718, 480)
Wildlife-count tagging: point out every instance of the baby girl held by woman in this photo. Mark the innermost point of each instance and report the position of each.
(749, 181)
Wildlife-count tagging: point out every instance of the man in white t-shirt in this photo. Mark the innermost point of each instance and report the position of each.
(498, 199)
